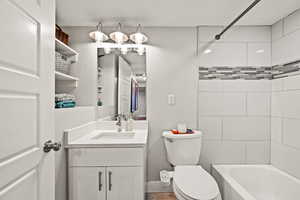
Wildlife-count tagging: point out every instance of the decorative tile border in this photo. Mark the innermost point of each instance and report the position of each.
(248, 73)
(231, 73)
(281, 71)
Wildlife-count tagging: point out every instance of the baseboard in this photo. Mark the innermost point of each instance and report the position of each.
(157, 186)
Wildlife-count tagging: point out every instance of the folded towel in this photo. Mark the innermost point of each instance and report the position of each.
(64, 97)
(65, 104)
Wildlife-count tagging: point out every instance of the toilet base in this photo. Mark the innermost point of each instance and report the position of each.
(179, 196)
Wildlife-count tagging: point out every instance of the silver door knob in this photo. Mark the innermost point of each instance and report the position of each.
(49, 145)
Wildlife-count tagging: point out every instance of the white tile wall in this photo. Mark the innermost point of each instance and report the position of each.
(238, 47)
(234, 103)
(222, 152)
(290, 104)
(222, 54)
(286, 39)
(285, 124)
(277, 30)
(211, 86)
(259, 54)
(246, 86)
(210, 103)
(258, 104)
(246, 128)
(290, 132)
(286, 158)
(277, 85)
(292, 22)
(258, 152)
(234, 116)
(290, 83)
(276, 129)
(211, 127)
(236, 34)
(276, 104)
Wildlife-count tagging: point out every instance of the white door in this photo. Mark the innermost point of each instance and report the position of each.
(26, 99)
(87, 183)
(125, 183)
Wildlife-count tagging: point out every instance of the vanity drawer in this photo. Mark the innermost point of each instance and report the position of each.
(106, 157)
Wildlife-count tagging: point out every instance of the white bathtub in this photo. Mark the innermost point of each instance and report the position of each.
(255, 182)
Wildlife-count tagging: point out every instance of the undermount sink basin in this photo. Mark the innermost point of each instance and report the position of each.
(114, 135)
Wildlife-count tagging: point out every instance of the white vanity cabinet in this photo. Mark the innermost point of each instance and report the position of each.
(87, 183)
(106, 173)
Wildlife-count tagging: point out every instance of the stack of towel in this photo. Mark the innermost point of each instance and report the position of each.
(64, 101)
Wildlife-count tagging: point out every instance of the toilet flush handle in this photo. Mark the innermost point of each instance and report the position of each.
(170, 140)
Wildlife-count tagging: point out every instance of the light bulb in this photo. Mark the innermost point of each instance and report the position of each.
(140, 50)
(124, 50)
(107, 50)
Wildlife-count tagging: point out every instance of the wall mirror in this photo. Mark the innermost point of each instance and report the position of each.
(122, 82)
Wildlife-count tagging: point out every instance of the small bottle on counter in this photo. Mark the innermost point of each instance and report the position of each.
(129, 123)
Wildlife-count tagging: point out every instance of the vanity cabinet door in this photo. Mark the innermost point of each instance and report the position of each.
(87, 183)
(126, 183)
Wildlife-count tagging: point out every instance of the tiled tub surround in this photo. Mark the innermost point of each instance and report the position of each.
(285, 124)
(255, 182)
(234, 116)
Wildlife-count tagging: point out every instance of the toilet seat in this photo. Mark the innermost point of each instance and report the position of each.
(194, 183)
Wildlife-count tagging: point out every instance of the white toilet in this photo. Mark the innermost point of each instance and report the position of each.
(190, 181)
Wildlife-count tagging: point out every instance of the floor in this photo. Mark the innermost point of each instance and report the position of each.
(161, 196)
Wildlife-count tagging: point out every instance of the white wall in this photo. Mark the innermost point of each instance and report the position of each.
(285, 124)
(285, 112)
(65, 119)
(234, 116)
(238, 47)
(86, 67)
(286, 39)
(170, 70)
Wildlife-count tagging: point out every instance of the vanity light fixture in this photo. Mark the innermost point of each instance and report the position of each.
(98, 34)
(118, 36)
(138, 37)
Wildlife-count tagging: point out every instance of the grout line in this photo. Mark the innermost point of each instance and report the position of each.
(247, 53)
(246, 150)
(246, 104)
(222, 129)
(281, 131)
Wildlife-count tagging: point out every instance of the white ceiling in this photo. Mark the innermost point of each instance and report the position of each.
(170, 12)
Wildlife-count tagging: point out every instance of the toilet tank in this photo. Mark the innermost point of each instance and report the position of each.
(183, 149)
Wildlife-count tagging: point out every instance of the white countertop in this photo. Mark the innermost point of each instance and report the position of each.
(89, 136)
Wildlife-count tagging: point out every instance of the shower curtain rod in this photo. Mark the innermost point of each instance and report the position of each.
(218, 37)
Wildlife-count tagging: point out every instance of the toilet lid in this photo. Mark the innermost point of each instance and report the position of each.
(195, 182)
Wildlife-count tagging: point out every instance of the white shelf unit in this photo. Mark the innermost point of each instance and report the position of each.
(66, 51)
(65, 83)
(60, 77)
(64, 77)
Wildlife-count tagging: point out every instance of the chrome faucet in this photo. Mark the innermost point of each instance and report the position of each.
(119, 121)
